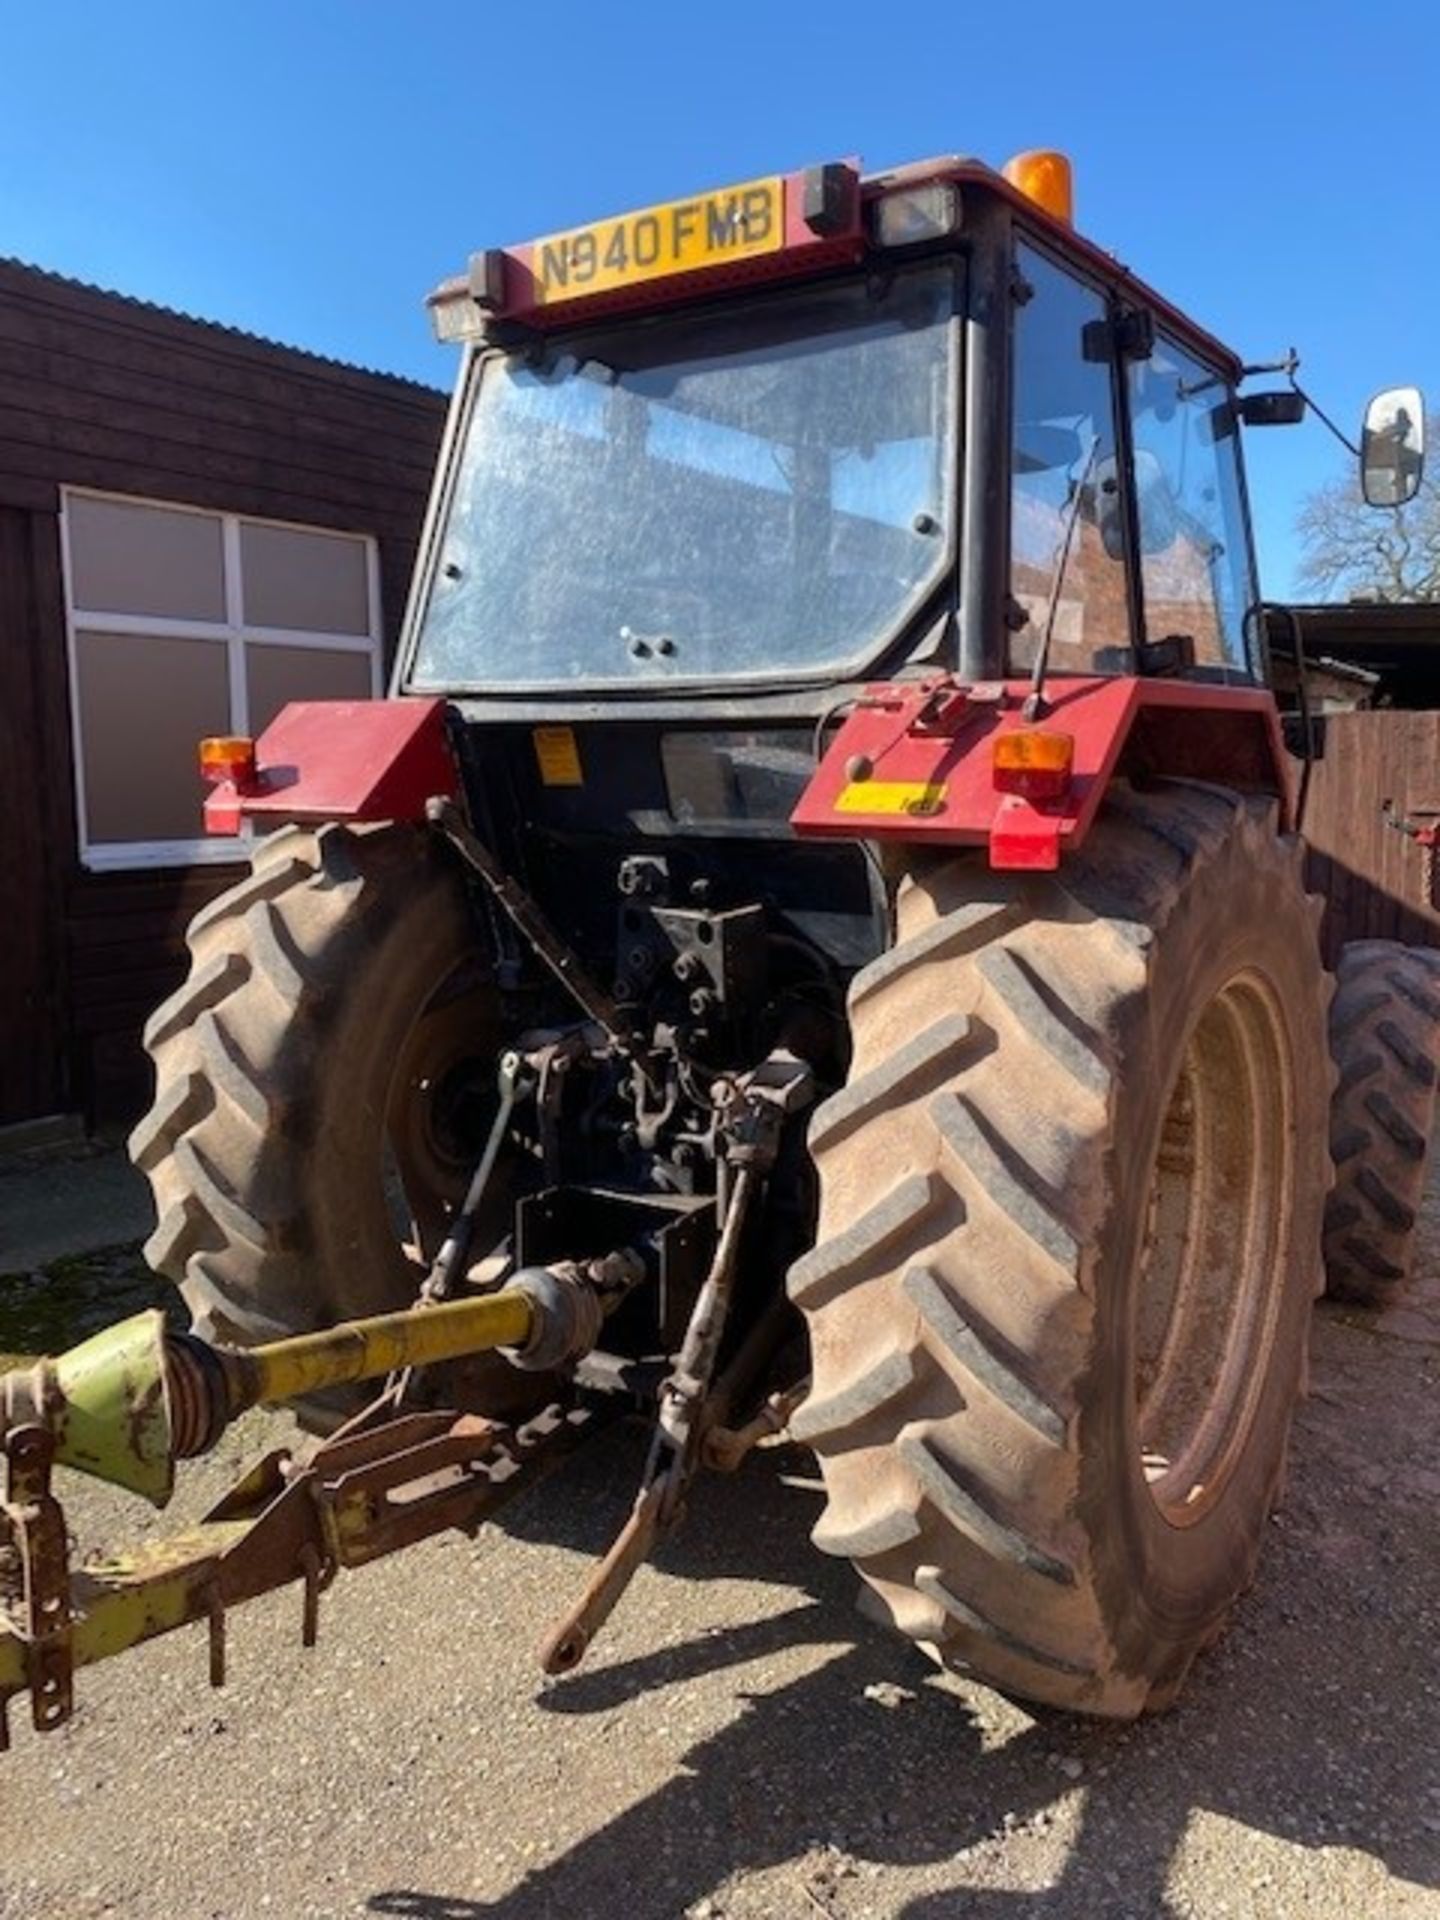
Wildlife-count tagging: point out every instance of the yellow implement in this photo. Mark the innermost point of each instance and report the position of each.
(128, 1404)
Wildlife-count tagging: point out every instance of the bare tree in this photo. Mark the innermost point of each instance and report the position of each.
(1356, 552)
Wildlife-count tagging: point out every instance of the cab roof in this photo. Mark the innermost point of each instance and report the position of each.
(965, 170)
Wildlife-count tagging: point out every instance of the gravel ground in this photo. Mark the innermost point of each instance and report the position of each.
(57, 1202)
(743, 1744)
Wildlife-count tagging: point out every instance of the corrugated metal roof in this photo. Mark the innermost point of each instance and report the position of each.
(212, 326)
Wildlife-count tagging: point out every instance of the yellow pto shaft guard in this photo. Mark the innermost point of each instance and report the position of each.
(128, 1403)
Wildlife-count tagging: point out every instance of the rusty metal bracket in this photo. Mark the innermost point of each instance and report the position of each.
(568, 1641)
(374, 1487)
(724, 1449)
(35, 1527)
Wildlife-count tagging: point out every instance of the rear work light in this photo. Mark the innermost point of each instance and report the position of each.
(911, 214)
(1033, 762)
(460, 309)
(228, 756)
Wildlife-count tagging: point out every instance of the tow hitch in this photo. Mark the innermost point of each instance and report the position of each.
(127, 1405)
(131, 1402)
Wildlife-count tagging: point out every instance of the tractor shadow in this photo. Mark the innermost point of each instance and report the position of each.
(1316, 1721)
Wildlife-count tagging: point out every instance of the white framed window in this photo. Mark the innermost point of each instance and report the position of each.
(183, 622)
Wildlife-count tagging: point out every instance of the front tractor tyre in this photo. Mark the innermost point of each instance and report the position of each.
(324, 1083)
(1385, 1038)
(1071, 1204)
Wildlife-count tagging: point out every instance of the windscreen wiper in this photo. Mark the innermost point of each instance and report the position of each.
(1034, 706)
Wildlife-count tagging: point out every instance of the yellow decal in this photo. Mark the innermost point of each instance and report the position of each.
(559, 757)
(709, 230)
(915, 797)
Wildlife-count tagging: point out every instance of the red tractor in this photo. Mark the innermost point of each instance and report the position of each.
(826, 883)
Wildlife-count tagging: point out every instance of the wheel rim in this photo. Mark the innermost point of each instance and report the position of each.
(1210, 1281)
(439, 1108)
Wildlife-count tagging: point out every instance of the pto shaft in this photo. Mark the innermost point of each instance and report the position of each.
(368, 1349)
(128, 1403)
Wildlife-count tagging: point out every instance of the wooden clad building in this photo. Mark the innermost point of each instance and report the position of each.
(196, 525)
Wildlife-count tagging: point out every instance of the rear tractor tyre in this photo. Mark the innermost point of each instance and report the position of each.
(324, 1082)
(1385, 1037)
(1071, 1205)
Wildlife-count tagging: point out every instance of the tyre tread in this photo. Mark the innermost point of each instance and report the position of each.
(951, 1483)
(1384, 1039)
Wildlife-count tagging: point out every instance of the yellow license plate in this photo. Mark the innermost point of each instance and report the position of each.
(708, 230)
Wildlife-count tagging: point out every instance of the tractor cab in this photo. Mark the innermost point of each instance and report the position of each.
(817, 943)
(934, 429)
(718, 469)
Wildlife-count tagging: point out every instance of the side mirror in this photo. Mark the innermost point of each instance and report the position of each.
(1392, 447)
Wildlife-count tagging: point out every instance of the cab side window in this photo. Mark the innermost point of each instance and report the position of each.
(1195, 560)
(1067, 554)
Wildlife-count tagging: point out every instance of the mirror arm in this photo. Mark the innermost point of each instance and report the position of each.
(1289, 366)
(1344, 439)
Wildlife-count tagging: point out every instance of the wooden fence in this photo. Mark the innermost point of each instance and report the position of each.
(1374, 878)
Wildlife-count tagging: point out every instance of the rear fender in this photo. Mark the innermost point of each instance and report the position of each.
(342, 760)
(913, 761)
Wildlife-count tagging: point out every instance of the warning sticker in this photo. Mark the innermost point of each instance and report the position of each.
(558, 756)
(917, 798)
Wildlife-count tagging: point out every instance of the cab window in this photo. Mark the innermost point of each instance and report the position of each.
(1195, 560)
(1067, 552)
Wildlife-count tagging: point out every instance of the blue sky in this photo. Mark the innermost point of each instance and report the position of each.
(308, 170)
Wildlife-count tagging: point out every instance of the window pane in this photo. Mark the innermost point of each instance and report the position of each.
(277, 674)
(770, 491)
(144, 703)
(314, 582)
(1066, 542)
(128, 558)
(1194, 555)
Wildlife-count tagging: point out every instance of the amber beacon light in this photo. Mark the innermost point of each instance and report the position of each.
(1044, 176)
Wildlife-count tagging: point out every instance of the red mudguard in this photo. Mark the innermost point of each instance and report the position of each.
(913, 761)
(342, 760)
